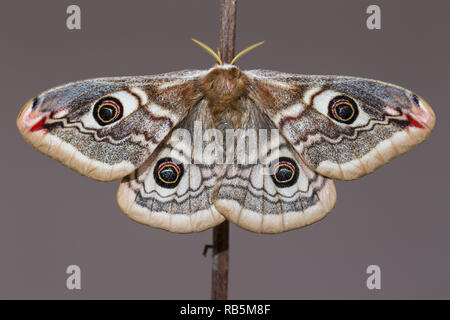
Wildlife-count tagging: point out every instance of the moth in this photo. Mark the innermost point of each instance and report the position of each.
(329, 127)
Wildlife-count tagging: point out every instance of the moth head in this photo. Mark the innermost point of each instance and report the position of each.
(224, 84)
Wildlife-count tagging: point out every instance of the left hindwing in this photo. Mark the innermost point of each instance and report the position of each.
(172, 190)
(343, 127)
(106, 128)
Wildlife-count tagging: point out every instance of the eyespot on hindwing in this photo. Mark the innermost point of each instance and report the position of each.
(285, 172)
(168, 173)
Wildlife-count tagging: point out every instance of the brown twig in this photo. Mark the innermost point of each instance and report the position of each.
(219, 287)
(227, 29)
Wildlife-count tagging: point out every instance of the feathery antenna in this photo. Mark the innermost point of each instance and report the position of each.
(253, 46)
(217, 55)
(208, 49)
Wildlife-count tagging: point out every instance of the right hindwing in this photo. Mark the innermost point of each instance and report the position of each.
(268, 188)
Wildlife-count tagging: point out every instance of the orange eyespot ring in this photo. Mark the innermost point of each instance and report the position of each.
(285, 172)
(107, 111)
(168, 173)
(343, 109)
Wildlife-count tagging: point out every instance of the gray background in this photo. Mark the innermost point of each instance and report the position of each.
(397, 218)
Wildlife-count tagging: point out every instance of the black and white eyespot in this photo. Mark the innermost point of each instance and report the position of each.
(340, 108)
(343, 109)
(168, 173)
(285, 172)
(107, 111)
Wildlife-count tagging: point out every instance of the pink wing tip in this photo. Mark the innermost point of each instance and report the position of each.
(30, 118)
(422, 116)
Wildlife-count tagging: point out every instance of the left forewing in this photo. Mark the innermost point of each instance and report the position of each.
(105, 128)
